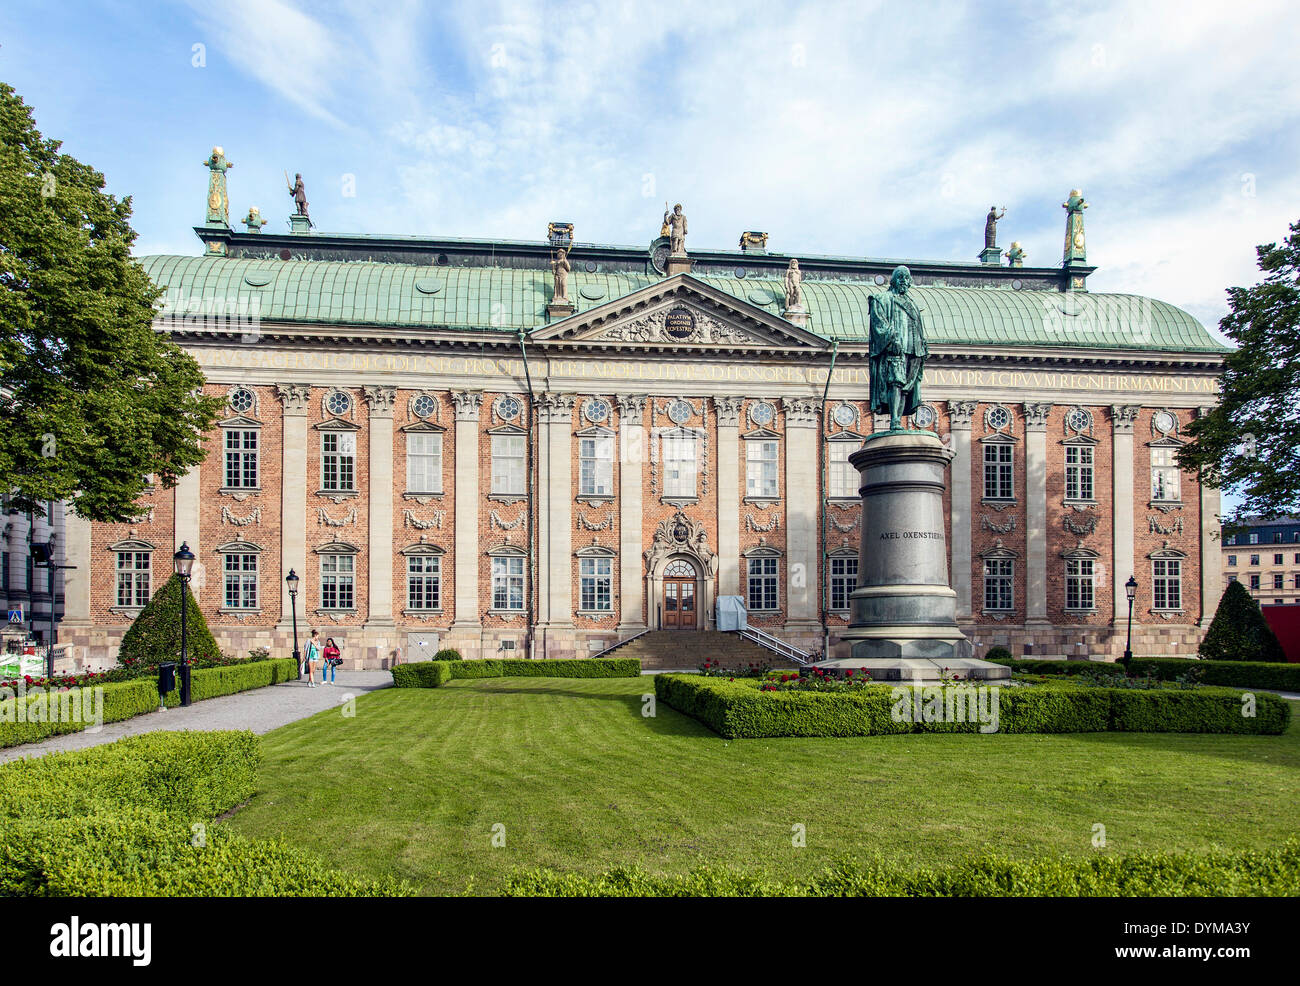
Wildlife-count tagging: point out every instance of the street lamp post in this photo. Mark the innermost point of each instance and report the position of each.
(1130, 587)
(183, 561)
(291, 580)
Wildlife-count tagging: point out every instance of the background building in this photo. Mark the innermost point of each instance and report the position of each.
(1265, 558)
(24, 585)
(450, 455)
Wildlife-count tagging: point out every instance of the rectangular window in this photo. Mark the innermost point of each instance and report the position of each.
(1079, 583)
(679, 465)
(133, 575)
(998, 573)
(508, 583)
(760, 468)
(1254, 559)
(337, 582)
(423, 462)
(1277, 560)
(997, 472)
(338, 451)
(843, 477)
(596, 581)
(508, 465)
(1232, 559)
(1232, 578)
(1277, 537)
(1278, 580)
(1296, 580)
(762, 583)
(1254, 538)
(596, 466)
(1078, 472)
(1165, 476)
(241, 581)
(1167, 583)
(241, 459)
(844, 579)
(423, 582)
(1254, 583)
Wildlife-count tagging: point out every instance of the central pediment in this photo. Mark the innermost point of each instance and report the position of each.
(682, 313)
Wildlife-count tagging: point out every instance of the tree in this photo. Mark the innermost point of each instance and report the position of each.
(1250, 442)
(1239, 631)
(92, 399)
(155, 636)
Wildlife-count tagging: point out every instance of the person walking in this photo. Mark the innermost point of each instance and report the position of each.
(313, 656)
(332, 660)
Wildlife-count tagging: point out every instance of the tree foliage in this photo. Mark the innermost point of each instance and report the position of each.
(155, 636)
(1239, 631)
(1250, 442)
(92, 399)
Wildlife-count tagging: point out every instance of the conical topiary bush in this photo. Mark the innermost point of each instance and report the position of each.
(1239, 631)
(155, 636)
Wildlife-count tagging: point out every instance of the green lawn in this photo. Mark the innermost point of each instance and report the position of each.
(413, 784)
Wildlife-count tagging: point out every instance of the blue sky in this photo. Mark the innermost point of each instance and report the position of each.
(859, 129)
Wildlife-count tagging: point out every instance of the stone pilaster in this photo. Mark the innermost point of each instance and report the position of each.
(802, 504)
(728, 409)
(632, 449)
(1211, 551)
(76, 581)
(1123, 417)
(555, 489)
(380, 505)
(294, 399)
(1036, 513)
(466, 479)
(186, 528)
(959, 417)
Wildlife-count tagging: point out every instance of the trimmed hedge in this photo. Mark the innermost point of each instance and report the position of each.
(1029, 666)
(130, 819)
(127, 699)
(155, 636)
(1217, 873)
(1234, 674)
(432, 674)
(738, 710)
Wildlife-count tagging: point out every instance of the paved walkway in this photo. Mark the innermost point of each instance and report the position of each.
(260, 710)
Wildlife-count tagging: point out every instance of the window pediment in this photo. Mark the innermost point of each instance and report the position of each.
(336, 424)
(846, 437)
(596, 551)
(240, 421)
(423, 548)
(507, 430)
(761, 433)
(1000, 438)
(506, 551)
(1080, 552)
(1079, 440)
(132, 544)
(337, 548)
(764, 551)
(423, 426)
(595, 431)
(237, 547)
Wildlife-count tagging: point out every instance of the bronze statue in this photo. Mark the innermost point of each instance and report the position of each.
(991, 226)
(218, 200)
(299, 192)
(898, 350)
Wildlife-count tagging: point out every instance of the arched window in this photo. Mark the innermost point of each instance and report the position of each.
(679, 570)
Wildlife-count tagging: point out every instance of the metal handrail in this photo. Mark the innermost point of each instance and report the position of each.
(616, 646)
(776, 644)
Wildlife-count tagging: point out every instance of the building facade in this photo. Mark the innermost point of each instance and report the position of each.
(453, 448)
(1265, 557)
(27, 584)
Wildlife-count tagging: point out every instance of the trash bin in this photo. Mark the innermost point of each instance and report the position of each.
(184, 671)
(166, 681)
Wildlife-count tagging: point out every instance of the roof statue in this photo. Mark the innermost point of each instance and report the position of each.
(218, 200)
(299, 192)
(253, 220)
(1075, 244)
(898, 350)
(560, 268)
(666, 228)
(1016, 255)
(991, 226)
(676, 222)
(793, 287)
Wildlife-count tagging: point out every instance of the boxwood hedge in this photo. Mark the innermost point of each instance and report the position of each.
(1233, 674)
(738, 710)
(131, 819)
(52, 713)
(1217, 873)
(432, 674)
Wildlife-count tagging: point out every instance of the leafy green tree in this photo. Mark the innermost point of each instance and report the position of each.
(92, 399)
(1250, 442)
(155, 636)
(1239, 631)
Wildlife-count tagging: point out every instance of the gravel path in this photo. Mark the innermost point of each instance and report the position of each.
(260, 710)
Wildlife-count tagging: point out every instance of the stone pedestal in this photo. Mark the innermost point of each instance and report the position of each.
(678, 263)
(299, 224)
(560, 309)
(903, 622)
(991, 256)
(796, 316)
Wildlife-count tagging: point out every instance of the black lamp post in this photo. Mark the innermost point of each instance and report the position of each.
(183, 561)
(1131, 587)
(291, 580)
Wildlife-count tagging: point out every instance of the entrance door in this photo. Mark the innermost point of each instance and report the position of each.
(679, 597)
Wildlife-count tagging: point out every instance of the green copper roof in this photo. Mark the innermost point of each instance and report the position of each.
(508, 299)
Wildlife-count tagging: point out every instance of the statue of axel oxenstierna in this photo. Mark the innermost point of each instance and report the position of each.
(898, 350)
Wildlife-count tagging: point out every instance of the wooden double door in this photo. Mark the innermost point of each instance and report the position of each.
(679, 602)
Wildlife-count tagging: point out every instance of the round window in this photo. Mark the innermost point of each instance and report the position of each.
(844, 415)
(1165, 422)
(679, 412)
(596, 410)
(423, 406)
(338, 403)
(508, 408)
(762, 413)
(1079, 419)
(999, 417)
(242, 401)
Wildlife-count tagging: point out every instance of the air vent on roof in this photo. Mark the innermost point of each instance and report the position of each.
(427, 285)
(592, 292)
(761, 297)
(258, 278)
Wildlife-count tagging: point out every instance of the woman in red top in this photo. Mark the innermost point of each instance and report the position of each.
(332, 660)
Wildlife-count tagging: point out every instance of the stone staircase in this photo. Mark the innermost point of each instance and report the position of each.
(686, 650)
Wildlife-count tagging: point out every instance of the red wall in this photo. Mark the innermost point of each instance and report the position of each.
(1285, 621)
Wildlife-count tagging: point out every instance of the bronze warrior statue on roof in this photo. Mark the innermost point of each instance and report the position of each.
(898, 350)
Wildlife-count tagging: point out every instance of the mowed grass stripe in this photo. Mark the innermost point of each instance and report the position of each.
(412, 785)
